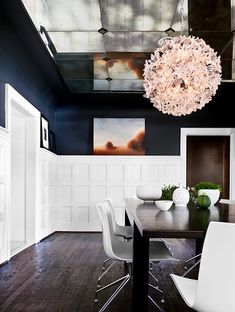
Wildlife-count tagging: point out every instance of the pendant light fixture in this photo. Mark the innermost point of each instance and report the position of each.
(182, 75)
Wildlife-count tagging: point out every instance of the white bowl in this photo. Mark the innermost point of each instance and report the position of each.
(164, 204)
(148, 192)
(211, 193)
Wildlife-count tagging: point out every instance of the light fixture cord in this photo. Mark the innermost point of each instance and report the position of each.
(182, 16)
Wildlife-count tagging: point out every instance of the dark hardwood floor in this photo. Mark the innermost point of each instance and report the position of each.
(60, 274)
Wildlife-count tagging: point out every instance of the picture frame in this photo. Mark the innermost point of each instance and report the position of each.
(44, 133)
(119, 136)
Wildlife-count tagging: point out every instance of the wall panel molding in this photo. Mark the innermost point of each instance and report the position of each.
(48, 193)
(86, 180)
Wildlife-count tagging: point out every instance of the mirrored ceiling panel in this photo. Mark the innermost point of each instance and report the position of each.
(96, 44)
(101, 45)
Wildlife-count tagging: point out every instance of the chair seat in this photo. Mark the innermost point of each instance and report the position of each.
(158, 251)
(125, 231)
(187, 287)
(123, 250)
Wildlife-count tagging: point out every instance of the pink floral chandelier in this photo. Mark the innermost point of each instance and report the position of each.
(182, 75)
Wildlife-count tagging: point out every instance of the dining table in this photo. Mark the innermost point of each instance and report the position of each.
(178, 222)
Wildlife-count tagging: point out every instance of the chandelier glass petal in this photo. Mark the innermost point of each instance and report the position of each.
(182, 75)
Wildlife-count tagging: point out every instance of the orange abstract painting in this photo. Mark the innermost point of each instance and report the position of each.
(119, 136)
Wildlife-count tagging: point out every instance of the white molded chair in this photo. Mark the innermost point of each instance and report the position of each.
(125, 232)
(119, 230)
(120, 250)
(227, 201)
(222, 201)
(214, 289)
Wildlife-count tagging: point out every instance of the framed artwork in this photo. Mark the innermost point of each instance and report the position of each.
(44, 133)
(118, 136)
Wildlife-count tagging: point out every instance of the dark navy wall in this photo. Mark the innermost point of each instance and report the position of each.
(74, 120)
(25, 62)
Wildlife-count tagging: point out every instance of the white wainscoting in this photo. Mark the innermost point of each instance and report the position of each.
(48, 193)
(86, 180)
(4, 194)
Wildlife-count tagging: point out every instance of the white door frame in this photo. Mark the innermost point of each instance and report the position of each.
(14, 99)
(209, 132)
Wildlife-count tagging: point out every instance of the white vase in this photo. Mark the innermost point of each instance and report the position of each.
(181, 197)
(212, 194)
(148, 192)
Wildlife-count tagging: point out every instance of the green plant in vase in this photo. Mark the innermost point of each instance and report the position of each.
(212, 190)
(206, 185)
(167, 191)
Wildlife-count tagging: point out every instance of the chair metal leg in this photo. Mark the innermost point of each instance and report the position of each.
(120, 287)
(105, 261)
(109, 285)
(156, 305)
(156, 287)
(192, 267)
(159, 290)
(190, 259)
(105, 272)
(154, 277)
(168, 245)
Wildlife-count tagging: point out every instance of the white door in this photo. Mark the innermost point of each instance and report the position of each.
(19, 156)
(23, 124)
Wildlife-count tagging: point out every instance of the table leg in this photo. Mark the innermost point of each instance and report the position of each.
(199, 245)
(127, 221)
(140, 272)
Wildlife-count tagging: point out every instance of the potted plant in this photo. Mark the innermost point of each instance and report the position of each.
(167, 192)
(208, 188)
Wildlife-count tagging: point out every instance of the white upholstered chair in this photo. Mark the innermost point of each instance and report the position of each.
(214, 289)
(121, 250)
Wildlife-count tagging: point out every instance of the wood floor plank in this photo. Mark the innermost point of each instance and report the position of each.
(60, 273)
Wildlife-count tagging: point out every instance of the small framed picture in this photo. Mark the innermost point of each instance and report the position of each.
(44, 133)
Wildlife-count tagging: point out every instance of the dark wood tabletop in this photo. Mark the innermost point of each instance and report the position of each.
(177, 222)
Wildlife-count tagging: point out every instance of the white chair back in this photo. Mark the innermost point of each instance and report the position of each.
(115, 226)
(216, 280)
(109, 238)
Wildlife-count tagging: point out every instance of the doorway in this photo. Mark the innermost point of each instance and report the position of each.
(208, 159)
(19, 154)
(23, 123)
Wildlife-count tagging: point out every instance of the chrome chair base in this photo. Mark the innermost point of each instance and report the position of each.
(104, 263)
(193, 266)
(105, 272)
(124, 280)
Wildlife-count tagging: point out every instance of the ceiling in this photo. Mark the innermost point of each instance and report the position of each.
(101, 45)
